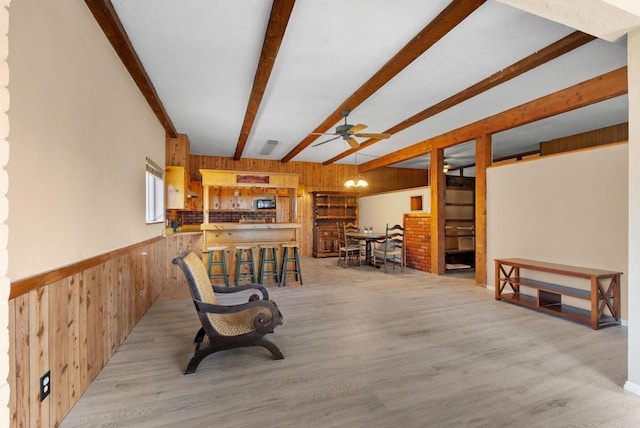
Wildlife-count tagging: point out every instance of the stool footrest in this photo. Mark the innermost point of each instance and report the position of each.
(222, 262)
(287, 259)
(272, 261)
(240, 262)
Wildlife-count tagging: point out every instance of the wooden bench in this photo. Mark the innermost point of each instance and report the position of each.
(604, 300)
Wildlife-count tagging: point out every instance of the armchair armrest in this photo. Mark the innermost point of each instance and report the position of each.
(245, 287)
(260, 321)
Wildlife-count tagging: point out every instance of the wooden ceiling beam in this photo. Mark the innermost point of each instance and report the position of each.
(601, 88)
(553, 51)
(448, 19)
(278, 21)
(107, 18)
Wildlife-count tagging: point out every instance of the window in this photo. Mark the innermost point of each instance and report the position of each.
(155, 193)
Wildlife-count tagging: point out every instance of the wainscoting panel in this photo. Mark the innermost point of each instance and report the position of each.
(72, 326)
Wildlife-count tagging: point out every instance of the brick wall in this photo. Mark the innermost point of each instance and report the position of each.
(196, 217)
(417, 238)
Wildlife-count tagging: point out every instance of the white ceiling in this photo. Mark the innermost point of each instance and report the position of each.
(202, 56)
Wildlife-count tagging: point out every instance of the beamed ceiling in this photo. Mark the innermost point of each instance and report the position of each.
(233, 75)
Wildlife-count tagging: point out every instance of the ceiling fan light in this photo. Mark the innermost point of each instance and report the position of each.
(349, 183)
(361, 183)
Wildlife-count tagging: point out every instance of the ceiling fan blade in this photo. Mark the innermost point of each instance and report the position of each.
(356, 128)
(326, 141)
(374, 135)
(323, 133)
(352, 142)
(459, 159)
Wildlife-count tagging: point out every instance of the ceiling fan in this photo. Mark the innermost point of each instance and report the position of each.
(454, 161)
(349, 132)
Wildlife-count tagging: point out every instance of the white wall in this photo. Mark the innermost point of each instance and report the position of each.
(378, 210)
(4, 210)
(633, 53)
(569, 208)
(80, 133)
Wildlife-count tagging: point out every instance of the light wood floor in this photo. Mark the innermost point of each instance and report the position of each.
(365, 349)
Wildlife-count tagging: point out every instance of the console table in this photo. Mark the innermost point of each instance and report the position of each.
(604, 297)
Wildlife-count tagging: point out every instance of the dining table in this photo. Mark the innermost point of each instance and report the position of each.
(368, 237)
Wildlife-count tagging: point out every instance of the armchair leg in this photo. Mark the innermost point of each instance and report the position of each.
(275, 351)
(199, 336)
(201, 354)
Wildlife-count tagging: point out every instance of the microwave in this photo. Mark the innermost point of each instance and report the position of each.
(265, 204)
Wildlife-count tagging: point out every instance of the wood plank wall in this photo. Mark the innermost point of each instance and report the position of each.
(177, 151)
(74, 325)
(176, 244)
(314, 177)
(598, 137)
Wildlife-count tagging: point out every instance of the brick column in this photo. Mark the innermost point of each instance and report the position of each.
(417, 241)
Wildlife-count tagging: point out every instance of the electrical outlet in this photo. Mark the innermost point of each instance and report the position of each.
(45, 385)
(141, 293)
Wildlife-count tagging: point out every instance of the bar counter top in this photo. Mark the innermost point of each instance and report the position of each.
(249, 226)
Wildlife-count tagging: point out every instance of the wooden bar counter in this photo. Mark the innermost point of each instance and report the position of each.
(233, 234)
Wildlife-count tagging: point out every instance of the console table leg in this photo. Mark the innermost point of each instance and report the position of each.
(595, 290)
(616, 296)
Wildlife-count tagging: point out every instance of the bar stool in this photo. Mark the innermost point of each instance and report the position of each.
(248, 250)
(222, 262)
(269, 256)
(288, 258)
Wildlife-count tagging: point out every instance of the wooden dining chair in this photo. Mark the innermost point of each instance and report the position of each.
(391, 249)
(350, 251)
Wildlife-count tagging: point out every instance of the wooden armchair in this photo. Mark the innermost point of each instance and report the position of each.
(391, 250)
(227, 327)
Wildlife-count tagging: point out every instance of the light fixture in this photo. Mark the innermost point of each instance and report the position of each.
(356, 181)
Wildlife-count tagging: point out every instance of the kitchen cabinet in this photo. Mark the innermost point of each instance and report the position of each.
(177, 187)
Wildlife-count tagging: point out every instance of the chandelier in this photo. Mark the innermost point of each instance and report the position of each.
(356, 181)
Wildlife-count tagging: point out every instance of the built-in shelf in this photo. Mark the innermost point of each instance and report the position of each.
(459, 228)
(329, 209)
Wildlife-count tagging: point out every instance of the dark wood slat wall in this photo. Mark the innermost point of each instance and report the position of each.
(387, 179)
(598, 137)
(73, 326)
(315, 177)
